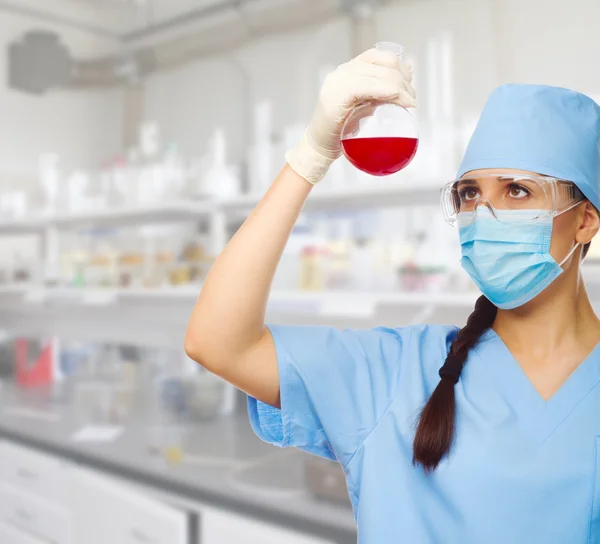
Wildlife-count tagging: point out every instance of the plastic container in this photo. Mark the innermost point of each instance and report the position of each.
(206, 396)
(102, 402)
(287, 276)
(313, 267)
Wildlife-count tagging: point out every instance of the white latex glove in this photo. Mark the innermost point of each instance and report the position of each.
(374, 76)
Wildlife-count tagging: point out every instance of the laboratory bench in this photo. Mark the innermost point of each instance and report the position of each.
(62, 485)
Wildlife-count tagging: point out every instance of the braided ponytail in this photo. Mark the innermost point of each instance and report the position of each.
(435, 431)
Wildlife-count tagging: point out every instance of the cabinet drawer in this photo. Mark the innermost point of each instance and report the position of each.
(33, 472)
(218, 527)
(35, 516)
(135, 518)
(10, 535)
(95, 507)
(148, 521)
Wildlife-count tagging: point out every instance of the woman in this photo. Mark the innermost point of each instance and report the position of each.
(507, 446)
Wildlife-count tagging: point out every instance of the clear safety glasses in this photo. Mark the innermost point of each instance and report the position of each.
(539, 197)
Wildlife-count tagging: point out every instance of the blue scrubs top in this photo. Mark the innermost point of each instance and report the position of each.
(523, 470)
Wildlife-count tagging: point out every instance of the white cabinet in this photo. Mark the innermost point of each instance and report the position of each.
(46, 500)
(218, 527)
(34, 516)
(32, 472)
(94, 509)
(11, 535)
(106, 510)
(32, 494)
(150, 522)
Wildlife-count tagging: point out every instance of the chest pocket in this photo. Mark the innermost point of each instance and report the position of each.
(594, 534)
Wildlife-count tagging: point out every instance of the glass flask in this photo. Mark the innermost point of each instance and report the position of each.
(380, 138)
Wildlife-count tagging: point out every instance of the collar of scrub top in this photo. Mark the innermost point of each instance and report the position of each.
(537, 416)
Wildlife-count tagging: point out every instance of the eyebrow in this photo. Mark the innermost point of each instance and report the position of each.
(507, 178)
(468, 181)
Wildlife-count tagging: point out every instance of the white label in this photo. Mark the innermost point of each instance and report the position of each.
(92, 433)
(35, 296)
(348, 306)
(99, 298)
(31, 414)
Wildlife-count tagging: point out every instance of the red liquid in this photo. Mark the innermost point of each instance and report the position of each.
(380, 156)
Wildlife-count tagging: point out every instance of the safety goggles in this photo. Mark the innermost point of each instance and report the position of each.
(539, 197)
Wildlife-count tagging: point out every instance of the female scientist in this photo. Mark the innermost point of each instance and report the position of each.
(485, 434)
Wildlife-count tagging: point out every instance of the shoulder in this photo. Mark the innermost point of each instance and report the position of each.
(434, 335)
(424, 350)
(422, 342)
(419, 347)
(423, 338)
(443, 334)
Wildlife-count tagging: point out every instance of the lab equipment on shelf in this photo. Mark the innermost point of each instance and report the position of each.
(222, 180)
(151, 257)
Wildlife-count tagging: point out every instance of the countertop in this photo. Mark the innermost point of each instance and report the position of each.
(224, 464)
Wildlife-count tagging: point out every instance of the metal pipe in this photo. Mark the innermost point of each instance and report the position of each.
(218, 40)
(246, 23)
(188, 17)
(47, 17)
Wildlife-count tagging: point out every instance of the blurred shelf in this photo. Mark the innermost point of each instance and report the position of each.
(324, 303)
(14, 289)
(157, 213)
(351, 198)
(87, 296)
(22, 225)
(322, 199)
(352, 299)
(159, 317)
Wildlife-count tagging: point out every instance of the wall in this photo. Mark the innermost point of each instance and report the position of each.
(490, 42)
(549, 41)
(190, 101)
(83, 127)
(466, 26)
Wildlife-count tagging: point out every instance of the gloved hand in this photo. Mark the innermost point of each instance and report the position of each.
(375, 75)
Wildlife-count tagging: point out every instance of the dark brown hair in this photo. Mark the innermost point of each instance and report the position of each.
(435, 430)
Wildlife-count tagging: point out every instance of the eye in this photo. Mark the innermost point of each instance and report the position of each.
(517, 191)
(468, 193)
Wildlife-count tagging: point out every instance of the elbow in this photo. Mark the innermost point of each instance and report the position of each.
(193, 349)
(203, 350)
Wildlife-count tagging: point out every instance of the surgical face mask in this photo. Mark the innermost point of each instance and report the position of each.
(509, 259)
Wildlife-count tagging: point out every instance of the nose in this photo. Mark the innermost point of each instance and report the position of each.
(482, 201)
(485, 203)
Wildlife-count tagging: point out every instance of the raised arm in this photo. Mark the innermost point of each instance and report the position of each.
(226, 333)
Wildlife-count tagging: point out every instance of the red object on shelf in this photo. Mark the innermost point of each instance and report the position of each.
(39, 369)
(380, 156)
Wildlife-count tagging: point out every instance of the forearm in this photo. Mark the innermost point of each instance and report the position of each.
(228, 318)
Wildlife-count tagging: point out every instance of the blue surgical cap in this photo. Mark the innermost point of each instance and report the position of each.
(548, 130)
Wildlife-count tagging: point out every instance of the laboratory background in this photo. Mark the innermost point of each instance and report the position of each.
(135, 138)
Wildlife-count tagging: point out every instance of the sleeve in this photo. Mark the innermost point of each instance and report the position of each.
(335, 387)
